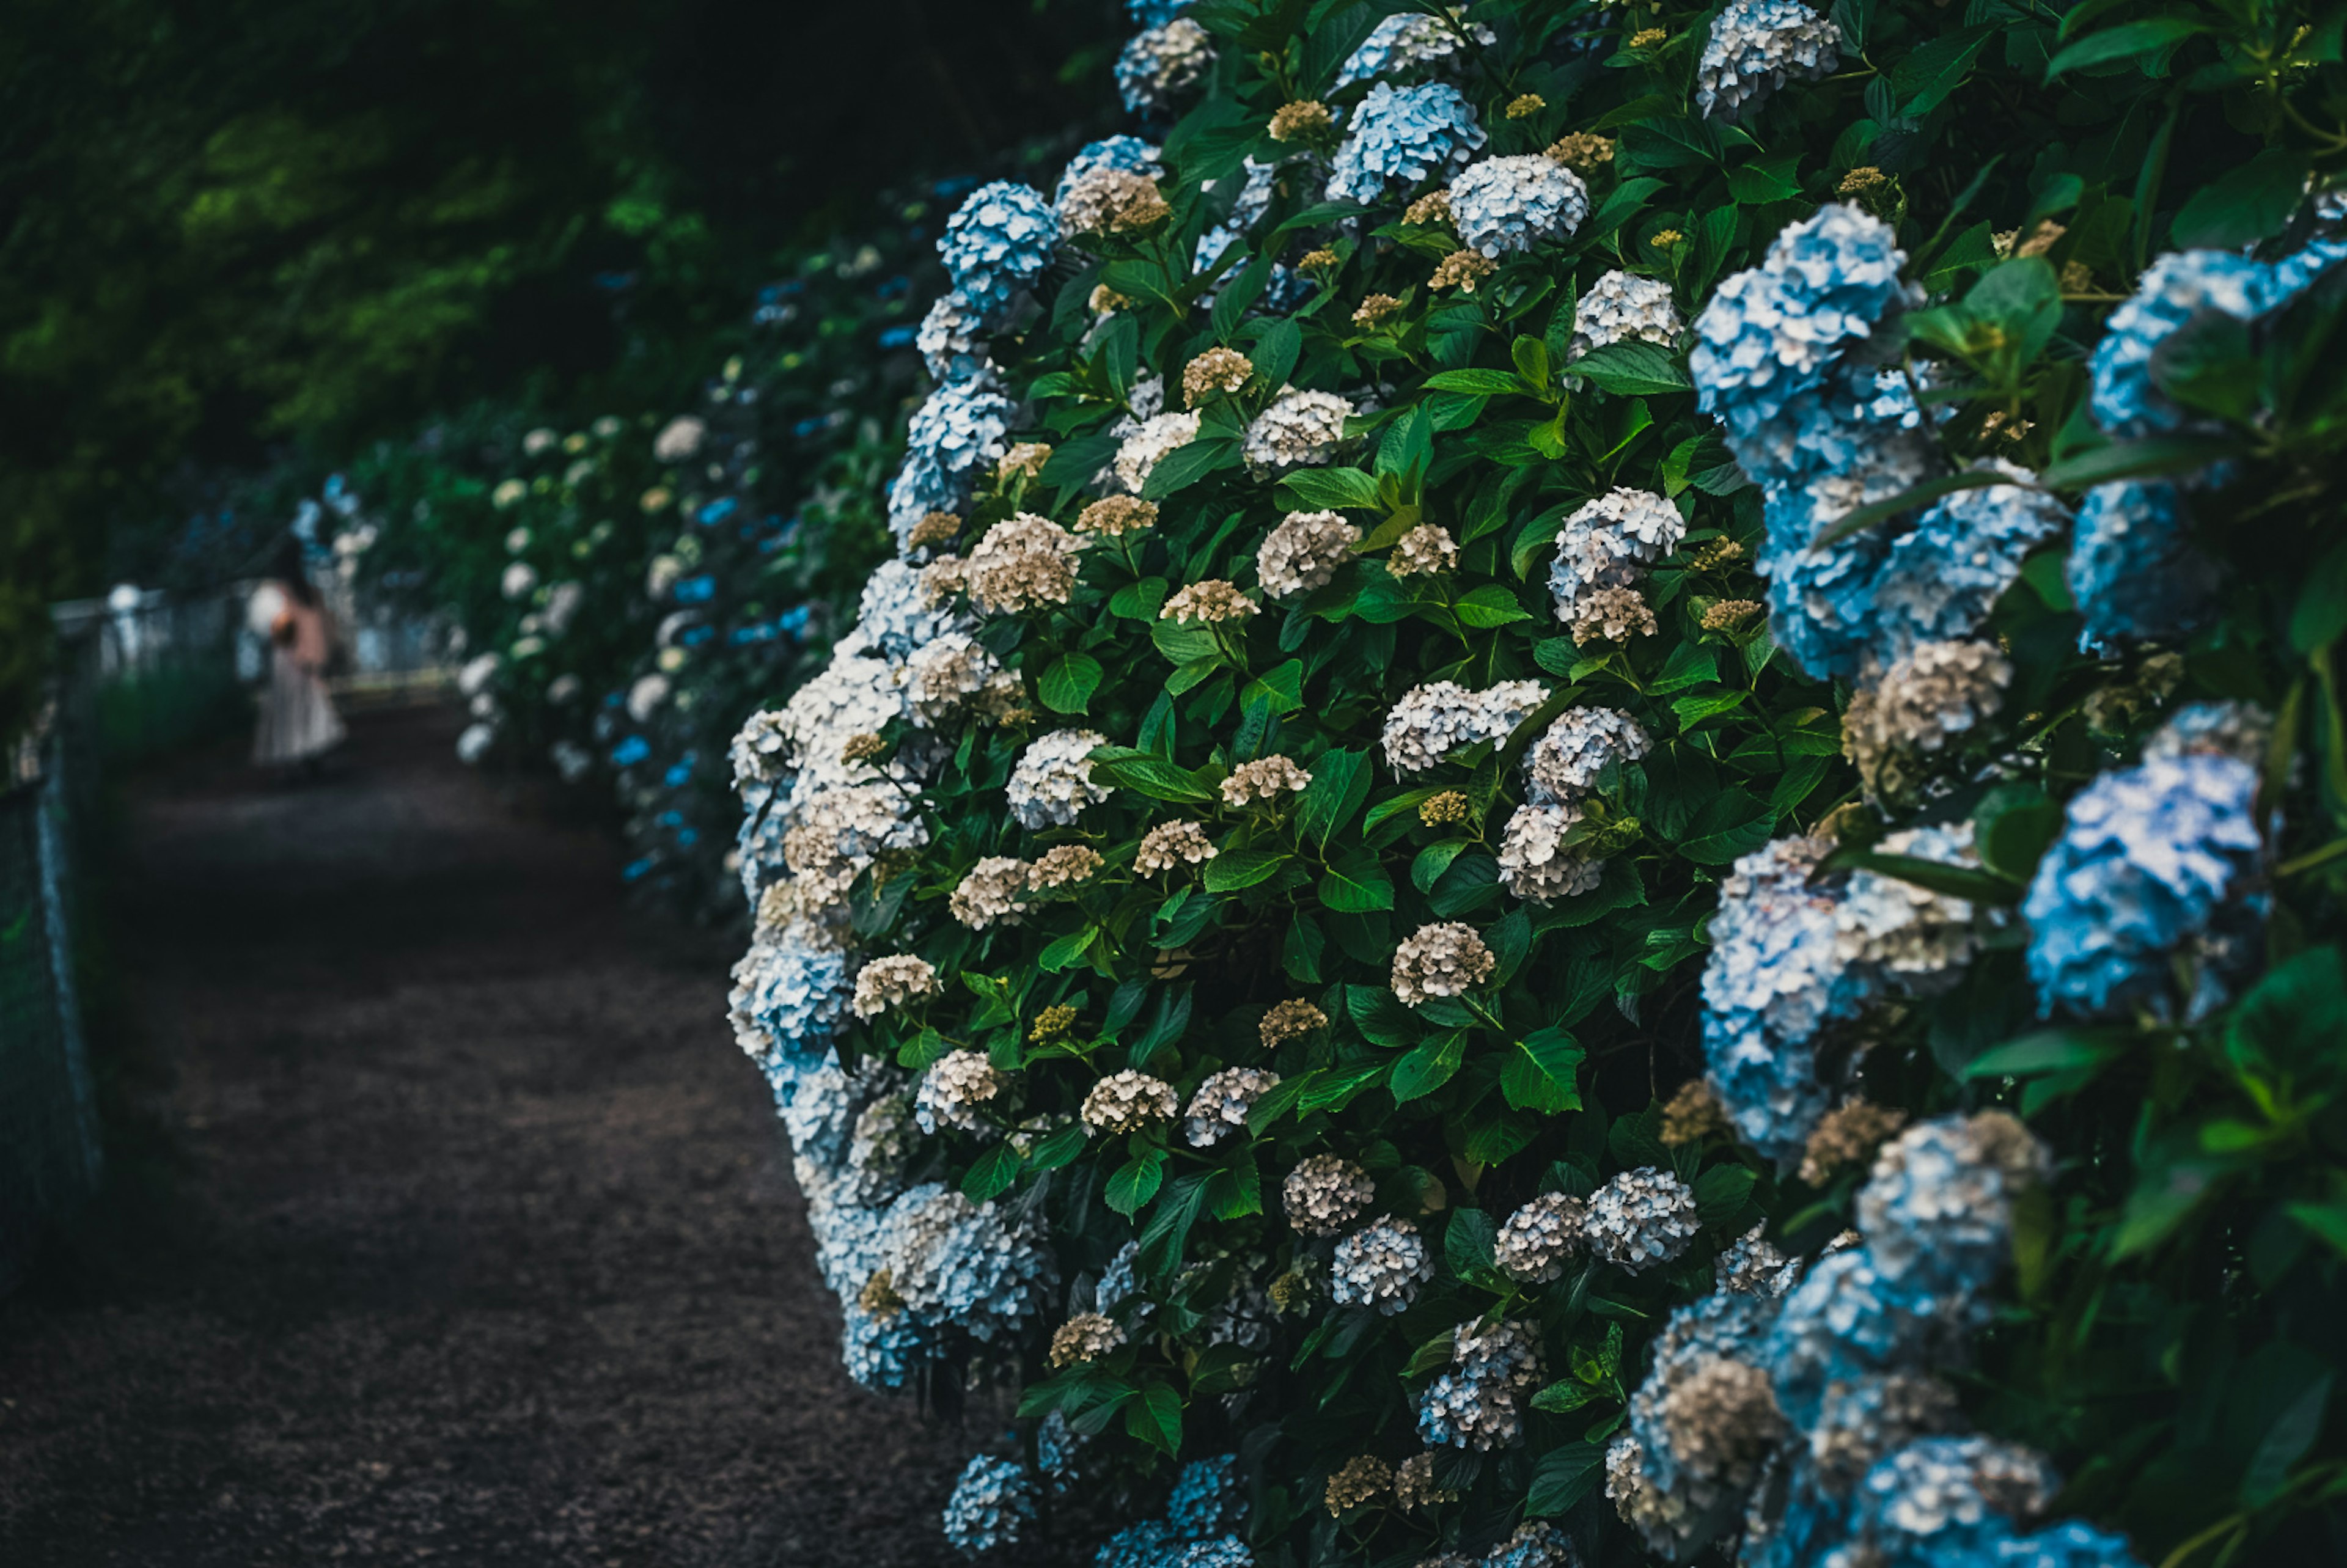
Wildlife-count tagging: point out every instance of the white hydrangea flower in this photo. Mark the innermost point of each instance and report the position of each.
(1221, 1103)
(1296, 430)
(1434, 720)
(893, 982)
(1535, 862)
(1304, 552)
(1540, 1239)
(1512, 203)
(1623, 307)
(1053, 779)
(1755, 47)
(1325, 1194)
(953, 1089)
(1573, 754)
(1641, 1218)
(1146, 444)
(1608, 542)
(1380, 1266)
(1128, 1102)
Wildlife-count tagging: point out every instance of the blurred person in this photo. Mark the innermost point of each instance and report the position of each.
(298, 722)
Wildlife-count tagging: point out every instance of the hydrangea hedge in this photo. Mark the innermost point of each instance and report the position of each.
(1594, 812)
(628, 591)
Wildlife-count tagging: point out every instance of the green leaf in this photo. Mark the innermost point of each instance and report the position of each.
(1340, 782)
(1429, 1066)
(2321, 612)
(2013, 827)
(1068, 684)
(1558, 1057)
(1235, 868)
(1435, 859)
(1480, 383)
(1690, 664)
(1720, 1193)
(1980, 887)
(1278, 1100)
(1066, 952)
(1355, 882)
(2136, 459)
(1146, 774)
(1561, 1398)
(1328, 489)
(2121, 42)
(1632, 368)
(1730, 825)
(1489, 605)
(1139, 600)
(1467, 1244)
(1771, 179)
(1531, 355)
(1380, 1017)
(2253, 200)
(1156, 1417)
(1185, 466)
(1563, 1477)
(2285, 1442)
(992, 1176)
(1621, 204)
(2048, 1050)
(1059, 1148)
(1136, 1182)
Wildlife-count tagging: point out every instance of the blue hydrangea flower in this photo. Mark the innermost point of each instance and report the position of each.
(2175, 288)
(1938, 1209)
(1205, 1500)
(991, 1505)
(895, 615)
(1774, 979)
(1407, 41)
(1536, 1544)
(996, 243)
(1942, 1501)
(1403, 137)
(1222, 1552)
(2134, 568)
(1154, 13)
(2294, 274)
(1725, 1324)
(1942, 577)
(1821, 596)
(2149, 859)
(1846, 1321)
(1796, 1530)
(796, 989)
(880, 1354)
(953, 437)
(2073, 1543)
(1772, 337)
(1143, 1545)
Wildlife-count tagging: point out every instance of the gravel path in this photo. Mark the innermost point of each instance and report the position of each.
(481, 1245)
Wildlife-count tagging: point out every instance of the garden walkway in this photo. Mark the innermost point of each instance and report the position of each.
(474, 1243)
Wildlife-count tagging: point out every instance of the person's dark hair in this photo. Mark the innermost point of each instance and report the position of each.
(290, 569)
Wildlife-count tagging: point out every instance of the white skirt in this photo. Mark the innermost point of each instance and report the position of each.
(297, 717)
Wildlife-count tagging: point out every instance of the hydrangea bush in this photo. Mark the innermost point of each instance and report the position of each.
(1595, 813)
(630, 590)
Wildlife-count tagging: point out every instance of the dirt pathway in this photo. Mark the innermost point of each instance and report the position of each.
(483, 1245)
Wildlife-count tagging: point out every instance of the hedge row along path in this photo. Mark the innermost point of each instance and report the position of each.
(477, 1248)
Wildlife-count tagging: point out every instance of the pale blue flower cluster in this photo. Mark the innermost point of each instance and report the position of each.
(1823, 1408)
(992, 1504)
(1154, 13)
(999, 241)
(1510, 204)
(1773, 982)
(1941, 578)
(2133, 567)
(2175, 289)
(1773, 339)
(1409, 41)
(1205, 1499)
(1404, 136)
(2154, 862)
(953, 437)
(898, 617)
(1786, 357)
